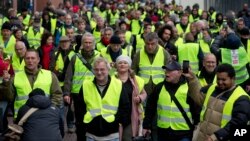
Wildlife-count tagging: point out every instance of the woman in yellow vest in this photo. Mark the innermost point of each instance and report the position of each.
(136, 93)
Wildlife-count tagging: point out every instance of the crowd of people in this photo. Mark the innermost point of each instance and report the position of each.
(113, 70)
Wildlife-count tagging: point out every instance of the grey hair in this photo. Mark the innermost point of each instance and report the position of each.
(108, 29)
(151, 36)
(99, 60)
(87, 34)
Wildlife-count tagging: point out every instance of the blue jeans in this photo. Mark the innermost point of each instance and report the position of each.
(185, 139)
(90, 139)
(3, 106)
(61, 121)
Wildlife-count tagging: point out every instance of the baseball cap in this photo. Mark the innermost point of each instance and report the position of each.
(172, 66)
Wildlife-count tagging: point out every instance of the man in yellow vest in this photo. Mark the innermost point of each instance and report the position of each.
(171, 123)
(6, 39)
(104, 104)
(191, 51)
(34, 33)
(207, 73)
(113, 51)
(223, 106)
(78, 71)
(33, 77)
(106, 34)
(229, 49)
(147, 62)
(17, 60)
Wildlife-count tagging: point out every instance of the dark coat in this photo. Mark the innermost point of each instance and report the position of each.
(42, 125)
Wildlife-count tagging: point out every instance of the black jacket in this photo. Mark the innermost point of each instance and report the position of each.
(151, 109)
(42, 125)
(99, 126)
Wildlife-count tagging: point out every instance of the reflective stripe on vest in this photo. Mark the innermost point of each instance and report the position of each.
(228, 106)
(238, 58)
(9, 47)
(154, 70)
(15, 62)
(34, 40)
(107, 106)
(189, 51)
(168, 113)
(23, 87)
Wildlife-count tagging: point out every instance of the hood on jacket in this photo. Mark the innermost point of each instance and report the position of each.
(37, 99)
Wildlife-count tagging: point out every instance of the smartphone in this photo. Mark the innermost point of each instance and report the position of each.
(185, 66)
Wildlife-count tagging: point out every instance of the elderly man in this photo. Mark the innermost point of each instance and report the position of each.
(207, 73)
(105, 104)
(79, 69)
(32, 77)
(17, 61)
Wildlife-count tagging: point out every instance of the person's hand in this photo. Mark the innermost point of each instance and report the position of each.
(6, 75)
(137, 99)
(247, 88)
(209, 138)
(190, 75)
(66, 99)
(145, 132)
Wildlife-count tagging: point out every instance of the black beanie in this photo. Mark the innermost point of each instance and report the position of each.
(37, 91)
(233, 41)
(6, 25)
(115, 40)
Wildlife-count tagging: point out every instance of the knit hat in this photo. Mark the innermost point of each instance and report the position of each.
(115, 40)
(233, 41)
(36, 91)
(245, 31)
(6, 25)
(124, 58)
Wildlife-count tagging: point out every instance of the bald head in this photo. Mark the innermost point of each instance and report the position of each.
(209, 62)
(20, 49)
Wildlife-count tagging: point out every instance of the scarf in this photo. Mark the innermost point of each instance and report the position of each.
(46, 56)
(105, 41)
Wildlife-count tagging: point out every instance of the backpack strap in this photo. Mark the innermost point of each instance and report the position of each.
(27, 115)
